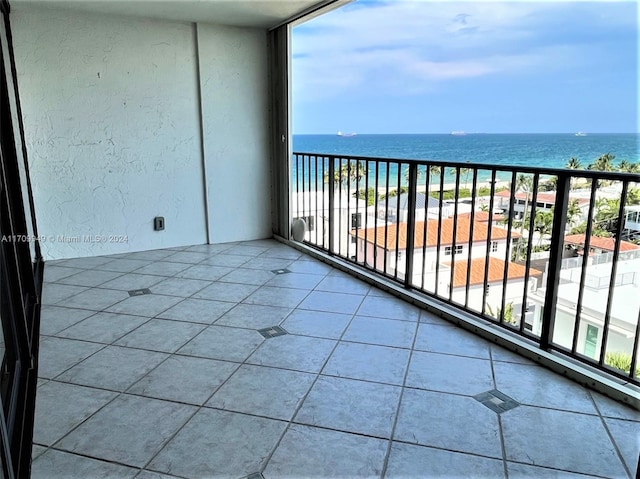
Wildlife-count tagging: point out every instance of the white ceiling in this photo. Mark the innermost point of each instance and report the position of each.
(250, 13)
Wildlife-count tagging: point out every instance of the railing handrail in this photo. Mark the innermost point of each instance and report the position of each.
(582, 173)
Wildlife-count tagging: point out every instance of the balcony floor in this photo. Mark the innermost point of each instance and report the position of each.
(179, 382)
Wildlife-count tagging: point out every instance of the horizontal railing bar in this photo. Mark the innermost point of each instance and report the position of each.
(602, 175)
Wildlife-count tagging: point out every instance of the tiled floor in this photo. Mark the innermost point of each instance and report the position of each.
(179, 383)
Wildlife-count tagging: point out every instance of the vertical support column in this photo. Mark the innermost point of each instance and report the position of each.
(555, 260)
(411, 223)
(279, 56)
(332, 204)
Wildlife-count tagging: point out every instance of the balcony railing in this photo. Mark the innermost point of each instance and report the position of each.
(544, 253)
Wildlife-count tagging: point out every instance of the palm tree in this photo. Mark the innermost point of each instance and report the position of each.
(523, 183)
(573, 210)
(603, 163)
(628, 167)
(350, 172)
(573, 164)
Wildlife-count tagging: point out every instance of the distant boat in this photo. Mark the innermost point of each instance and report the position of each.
(345, 134)
(458, 133)
(580, 133)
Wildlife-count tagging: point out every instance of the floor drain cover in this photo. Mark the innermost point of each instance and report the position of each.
(280, 271)
(139, 292)
(496, 401)
(272, 332)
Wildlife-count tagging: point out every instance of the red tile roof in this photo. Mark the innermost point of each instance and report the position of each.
(495, 273)
(606, 244)
(463, 226)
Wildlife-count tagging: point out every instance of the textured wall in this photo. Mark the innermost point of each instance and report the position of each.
(111, 118)
(233, 79)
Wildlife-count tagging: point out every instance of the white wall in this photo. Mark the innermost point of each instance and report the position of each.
(111, 119)
(234, 83)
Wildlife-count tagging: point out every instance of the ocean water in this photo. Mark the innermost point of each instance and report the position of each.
(540, 150)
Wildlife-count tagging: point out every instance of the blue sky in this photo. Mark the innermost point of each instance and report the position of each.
(494, 67)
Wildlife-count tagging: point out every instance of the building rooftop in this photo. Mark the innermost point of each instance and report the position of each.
(606, 244)
(495, 273)
(463, 232)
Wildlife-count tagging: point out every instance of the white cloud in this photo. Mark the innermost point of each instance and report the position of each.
(417, 45)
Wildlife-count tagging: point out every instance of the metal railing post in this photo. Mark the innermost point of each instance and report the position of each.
(555, 260)
(332, 213)
(411, 223)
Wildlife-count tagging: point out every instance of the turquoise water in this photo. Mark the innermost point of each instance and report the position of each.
(539, 150)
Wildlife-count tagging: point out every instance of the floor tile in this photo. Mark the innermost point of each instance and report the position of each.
(56, 355)
(56, 293)
(450, 340)
(270, 392)
(87, 263)
(407, 461)
(148, 305)
(190, 257)
(253, 316)
(182, 287)
(351, 406)
(129, 430)
(228, 260)
(231, 292)
(161, 335)
(295, 280)
(316, 323)
(197, 311)
(524, 471)
(152, 255)
(221, 342)
(55, 273)
(537, 386)
(448, 421)
(205, 272)
(113, 368)
(332, 302)
(184, 379)
(281, 251)
(103, 327)
(124, 265)
(371, 363)
(535, 435)
(246, 250)
(446, 373)
(384, 332)
(429, 317)
(54, 319)
(300, 353)
(195, 452)
(130, 281)
(210, 248)
(153, 475)
(626, 435)
(163, 268)
(610, 408)
(499, 353)
(343, 284)
(247, 276)
(62, 465)
(37, 451)
(277, 296)
(391, 308)
(266, 263)
(312, 452)
(303, 265)
(60, 407)
(89, 278)
(95, 299)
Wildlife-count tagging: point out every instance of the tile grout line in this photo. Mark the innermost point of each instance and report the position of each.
(385, 462)
(503, 448)
(610, 436)
(306, 395)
